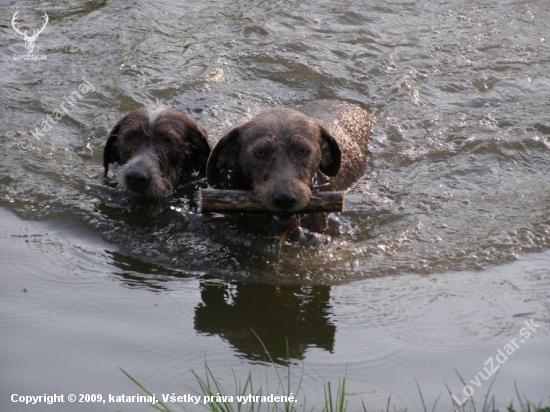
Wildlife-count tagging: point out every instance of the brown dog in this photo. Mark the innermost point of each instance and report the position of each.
(284, 155)
(156, 146)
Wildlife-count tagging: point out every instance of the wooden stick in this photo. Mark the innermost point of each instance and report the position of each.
(243, 201)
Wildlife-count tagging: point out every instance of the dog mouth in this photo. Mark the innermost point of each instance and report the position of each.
(143, 198)
(284, 223)
(138, 198)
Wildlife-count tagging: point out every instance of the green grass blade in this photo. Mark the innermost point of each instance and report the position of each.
(421, 396)
(160, 407)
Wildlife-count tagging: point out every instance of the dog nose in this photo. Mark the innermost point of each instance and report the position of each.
(284, 200)
(137, 179)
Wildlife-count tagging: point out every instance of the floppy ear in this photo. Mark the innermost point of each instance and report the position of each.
(110, 151)
(199, 147)
(330, 154)
(224, 156)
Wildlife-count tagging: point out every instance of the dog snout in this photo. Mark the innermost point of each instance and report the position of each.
(137, 180)
(284, 200)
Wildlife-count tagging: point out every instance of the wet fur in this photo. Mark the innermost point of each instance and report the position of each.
(156, 147)
(283, 154)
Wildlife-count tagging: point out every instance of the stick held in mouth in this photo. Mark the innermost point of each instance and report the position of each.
(243, 201)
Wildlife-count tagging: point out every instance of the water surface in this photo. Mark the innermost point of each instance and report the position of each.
(440, 258)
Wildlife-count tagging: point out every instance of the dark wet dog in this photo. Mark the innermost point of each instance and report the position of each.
(285, 155)
(156, 147)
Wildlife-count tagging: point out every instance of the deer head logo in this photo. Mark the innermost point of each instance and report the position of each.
(29, 40)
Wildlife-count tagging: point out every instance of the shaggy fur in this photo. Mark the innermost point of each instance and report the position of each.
(284, 155)
(156, 147)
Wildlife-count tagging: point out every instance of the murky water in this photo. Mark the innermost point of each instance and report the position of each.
(440, 258)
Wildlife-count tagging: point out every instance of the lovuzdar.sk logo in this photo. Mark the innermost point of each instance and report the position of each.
(29, 39)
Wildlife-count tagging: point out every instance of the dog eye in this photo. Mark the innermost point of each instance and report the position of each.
(260, 153)
(303, 151)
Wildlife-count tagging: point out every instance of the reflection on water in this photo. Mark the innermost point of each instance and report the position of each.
(287, 319)
(90, 307)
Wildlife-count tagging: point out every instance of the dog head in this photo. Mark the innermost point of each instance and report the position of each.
(276, 154)
(155, 147)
